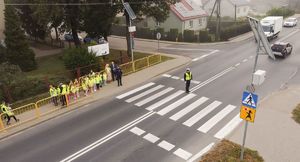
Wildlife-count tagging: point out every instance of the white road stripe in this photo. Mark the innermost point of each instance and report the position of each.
(188, 109)
(211, 79)
(217, 118)
(187, 49)
(166, 145)
(203, 56)
(238, 64)
(165, 100)
(201, 153)
(202, 113)
(195, 82)
(175, 77)
(155, 96)
(245, 60)
(167, 75)
(229, 127)
(137, 131)
(144, 93)
(290, 34)
(176, 104)
(106, 138)
(251, 57)
(135, 90)
(182, 154)
(151, 138)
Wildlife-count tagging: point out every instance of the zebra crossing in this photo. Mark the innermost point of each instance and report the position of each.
(188, 109)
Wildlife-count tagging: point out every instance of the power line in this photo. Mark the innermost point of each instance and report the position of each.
(69, 4)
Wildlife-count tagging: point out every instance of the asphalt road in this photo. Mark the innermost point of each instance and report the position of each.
(160, 122)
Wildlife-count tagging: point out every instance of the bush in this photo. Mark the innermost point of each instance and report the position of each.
(296, 114)
(189, 36)
(203, 36)
(173, 35)
(79, 57)
(145, 33)
(180, 37)
(233, 31)
(119, 30)
(285, 12)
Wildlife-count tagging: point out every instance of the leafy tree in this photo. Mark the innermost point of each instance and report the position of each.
(285, 12)
(34, 18)
(56, 19)
(18, 51)
(2, 54)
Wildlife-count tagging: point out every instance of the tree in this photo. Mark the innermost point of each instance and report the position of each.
(34, 18)
(73, 19)
(17, 48)
(158, 9)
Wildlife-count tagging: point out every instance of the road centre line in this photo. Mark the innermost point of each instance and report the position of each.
(107, 137)
(167, 75)
(201, 153)
(203, 56)
(238, 64)
(212, 79)
(188, 49)
(292, 33)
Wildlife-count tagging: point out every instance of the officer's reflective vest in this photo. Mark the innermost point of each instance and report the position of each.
(64, 89)
(58, 91)
(5, 110)
(188, 76)
(53, 92)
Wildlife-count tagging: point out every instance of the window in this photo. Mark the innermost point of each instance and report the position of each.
(191, 23)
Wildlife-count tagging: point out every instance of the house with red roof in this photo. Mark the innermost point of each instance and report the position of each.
(184, 15)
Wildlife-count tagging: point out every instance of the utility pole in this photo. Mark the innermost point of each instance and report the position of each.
(217, 6)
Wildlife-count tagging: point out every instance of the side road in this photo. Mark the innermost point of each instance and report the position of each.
(108, 91)
(274, 134)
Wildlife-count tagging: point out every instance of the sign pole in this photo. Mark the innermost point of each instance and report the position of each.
(244, 141)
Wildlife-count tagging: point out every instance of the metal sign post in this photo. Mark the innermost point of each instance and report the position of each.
(158, 36)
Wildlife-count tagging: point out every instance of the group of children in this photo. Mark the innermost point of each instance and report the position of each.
(88, 84)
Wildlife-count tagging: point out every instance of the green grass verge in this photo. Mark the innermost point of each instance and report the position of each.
(296, 114)
(227, 151)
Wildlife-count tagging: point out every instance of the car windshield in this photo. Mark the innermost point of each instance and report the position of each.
(266, 28)
(277, 47)
(290, 20)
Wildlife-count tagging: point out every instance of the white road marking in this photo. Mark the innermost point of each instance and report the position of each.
(292, 33)
(251, 56)
(151, 138)
(191, 121)
(215, 119)
(201, 153)
(238, 64)
(195, 82)
(166, 145)
(167, 75)
(188, 109)
(245, 60)
(188, 49)
(176, 104)
(135, 90)
(175, 77)
(155, 96)
(144, 93)
(182, 154)
(229, 127)
(107, 138)
(137, 131)
(212, 79)
(165, 100)
(203, 56)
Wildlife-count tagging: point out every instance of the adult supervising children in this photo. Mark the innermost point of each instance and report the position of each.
(187, 78)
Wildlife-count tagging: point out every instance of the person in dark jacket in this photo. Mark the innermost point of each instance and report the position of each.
(119, 76)
(187, 78)
(113, 68)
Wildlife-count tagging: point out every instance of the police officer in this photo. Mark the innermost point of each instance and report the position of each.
(53, 94)
(8, 113)
(187, 78)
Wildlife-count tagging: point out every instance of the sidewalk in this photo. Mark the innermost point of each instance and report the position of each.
(110, 90)
(274, 134)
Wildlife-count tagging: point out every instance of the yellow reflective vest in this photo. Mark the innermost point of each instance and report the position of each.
(6, 110)
(188, 76)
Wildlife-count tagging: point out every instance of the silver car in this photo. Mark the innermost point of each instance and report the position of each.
(290, 22)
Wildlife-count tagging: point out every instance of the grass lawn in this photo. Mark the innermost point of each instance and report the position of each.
(296, 114)
(227, 151)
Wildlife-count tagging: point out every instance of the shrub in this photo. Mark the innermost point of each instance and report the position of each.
(203, 36)
(180, 37)
(145, 33)
(189, 36)
(235, 30)
(285, 12)
(173, 35)
(79, 57)
(119, 30)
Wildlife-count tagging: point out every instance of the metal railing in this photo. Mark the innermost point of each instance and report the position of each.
(127, 68)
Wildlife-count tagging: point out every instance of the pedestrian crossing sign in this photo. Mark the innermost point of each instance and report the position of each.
(247, 113)
(249, 100)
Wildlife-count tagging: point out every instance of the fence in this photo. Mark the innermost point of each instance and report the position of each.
(35, 108)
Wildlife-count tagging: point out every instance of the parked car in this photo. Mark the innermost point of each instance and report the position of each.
(282, 49)
(99, 39)
(290, 22)
(69, 37)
